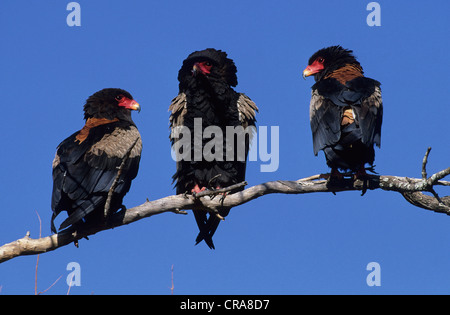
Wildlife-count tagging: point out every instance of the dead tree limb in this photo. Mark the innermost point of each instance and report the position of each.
(116, 180)
(412, 189)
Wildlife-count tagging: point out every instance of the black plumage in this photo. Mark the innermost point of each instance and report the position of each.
(87, 163)
(206, 81)
(346, 110)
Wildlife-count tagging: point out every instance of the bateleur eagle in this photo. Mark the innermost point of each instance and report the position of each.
(87, 163)
(346, 111)
(206, 96)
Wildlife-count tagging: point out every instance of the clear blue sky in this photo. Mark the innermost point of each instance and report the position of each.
(278, 244)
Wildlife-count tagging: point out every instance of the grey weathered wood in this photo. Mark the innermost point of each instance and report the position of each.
(412, 190)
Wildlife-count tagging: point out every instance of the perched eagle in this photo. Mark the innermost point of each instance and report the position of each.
(207, 109)
(87, 163)
(345, 112)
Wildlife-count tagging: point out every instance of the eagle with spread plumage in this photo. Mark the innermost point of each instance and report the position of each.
(205, 111)
(104, 152)
(346, 111)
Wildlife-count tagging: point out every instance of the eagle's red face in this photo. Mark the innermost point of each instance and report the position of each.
(314, 68)
(204, 67)
(124, 101)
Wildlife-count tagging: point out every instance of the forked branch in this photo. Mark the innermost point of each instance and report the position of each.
(411, 188)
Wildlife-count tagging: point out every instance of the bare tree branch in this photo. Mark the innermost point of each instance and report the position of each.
(116, 180)
(37, 259)
(424, 164)
(412, 190)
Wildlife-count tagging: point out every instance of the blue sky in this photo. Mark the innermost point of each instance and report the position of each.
(277, 244)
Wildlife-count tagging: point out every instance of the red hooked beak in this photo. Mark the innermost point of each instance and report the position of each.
(313, 68)
(201, 67)
(129, 104)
